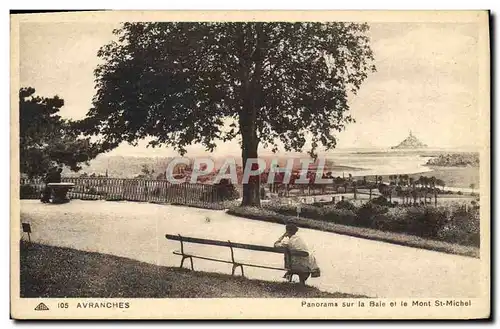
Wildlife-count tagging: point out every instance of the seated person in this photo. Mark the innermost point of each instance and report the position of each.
(49, 178)
(303, 266)
(57, 175)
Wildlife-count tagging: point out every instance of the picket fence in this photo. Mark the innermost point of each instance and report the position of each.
(116, 189)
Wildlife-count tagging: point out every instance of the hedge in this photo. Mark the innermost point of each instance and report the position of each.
(455, 225)
(263, 214)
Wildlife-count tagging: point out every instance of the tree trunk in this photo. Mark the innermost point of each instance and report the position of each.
(251, 196)
(251, 92)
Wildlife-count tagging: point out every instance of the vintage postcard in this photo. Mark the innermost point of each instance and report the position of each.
(250, 165)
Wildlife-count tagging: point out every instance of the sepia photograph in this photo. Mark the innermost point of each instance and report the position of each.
(272, 165)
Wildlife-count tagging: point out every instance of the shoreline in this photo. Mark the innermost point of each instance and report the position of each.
(456, 178)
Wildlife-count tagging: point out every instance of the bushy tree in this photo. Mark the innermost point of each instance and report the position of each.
(45, 139)
(179, 83)
(440, 182)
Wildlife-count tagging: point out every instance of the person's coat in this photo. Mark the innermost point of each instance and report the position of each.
(299, 264)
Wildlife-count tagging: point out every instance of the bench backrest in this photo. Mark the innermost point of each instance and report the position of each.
(235, 245)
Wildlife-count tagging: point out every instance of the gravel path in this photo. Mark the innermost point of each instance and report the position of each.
(348, 265)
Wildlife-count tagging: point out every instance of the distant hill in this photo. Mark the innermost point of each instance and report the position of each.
(128, 166)
(131, 166)
(121, 166)
(455, 160)
(411, 142)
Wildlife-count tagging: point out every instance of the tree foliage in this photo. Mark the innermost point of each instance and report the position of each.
(183, 83)
(45, 138)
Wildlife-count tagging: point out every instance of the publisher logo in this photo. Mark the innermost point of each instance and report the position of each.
(41, 307)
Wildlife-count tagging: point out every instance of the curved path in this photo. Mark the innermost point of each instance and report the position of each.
(348, 264)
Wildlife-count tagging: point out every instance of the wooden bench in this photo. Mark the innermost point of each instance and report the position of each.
(59, 191)
(231, 245)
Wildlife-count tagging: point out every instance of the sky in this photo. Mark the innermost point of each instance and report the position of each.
(426, 82)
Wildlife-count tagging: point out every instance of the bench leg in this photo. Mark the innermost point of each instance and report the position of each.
(190, 258)
(234, 269)
(192, 267)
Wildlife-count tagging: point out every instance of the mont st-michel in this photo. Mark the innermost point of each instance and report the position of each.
(411, 142)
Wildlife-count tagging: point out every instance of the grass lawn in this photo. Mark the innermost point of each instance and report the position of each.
(48, 271)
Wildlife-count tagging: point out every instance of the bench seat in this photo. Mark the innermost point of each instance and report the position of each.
(227, 261)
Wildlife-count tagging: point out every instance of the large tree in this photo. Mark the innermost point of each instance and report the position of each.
(45, 139)
(183, 83)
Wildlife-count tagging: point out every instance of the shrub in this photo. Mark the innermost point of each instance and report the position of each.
(383, 222)
(456, 226)
(27, 191)
(340, 216)
(425, 222)
(306, 210)
(367, 213)
(257, 213)
(346, 205)
(313, 212)
(326, 212)
(453, 224)
(462, 228)
(393, 220)
(381, 201)
(284, 209)
(226, 190)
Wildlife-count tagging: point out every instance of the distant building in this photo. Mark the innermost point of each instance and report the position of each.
(410, 142)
